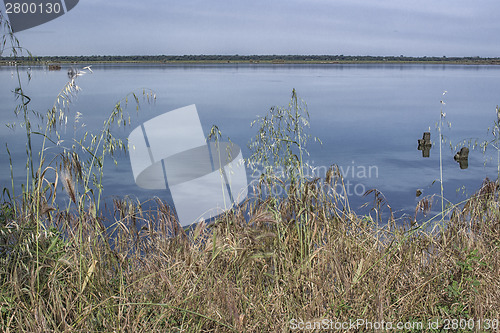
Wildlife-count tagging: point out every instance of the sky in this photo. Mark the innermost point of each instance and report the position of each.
(313, 27)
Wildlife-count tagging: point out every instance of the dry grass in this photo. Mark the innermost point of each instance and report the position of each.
(251, 274)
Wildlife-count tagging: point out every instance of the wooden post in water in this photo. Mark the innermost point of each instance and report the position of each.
(425, 144)
(462, 157)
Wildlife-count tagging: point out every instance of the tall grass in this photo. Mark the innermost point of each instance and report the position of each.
(265, 266)
(252, 276)
(442, 115)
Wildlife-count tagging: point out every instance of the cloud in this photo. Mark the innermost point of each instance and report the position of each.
(389, 27)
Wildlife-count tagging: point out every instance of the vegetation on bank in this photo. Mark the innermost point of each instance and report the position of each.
(253, 59)
(274, 264)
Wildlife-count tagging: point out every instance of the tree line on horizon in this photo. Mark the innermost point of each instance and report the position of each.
(245, 58)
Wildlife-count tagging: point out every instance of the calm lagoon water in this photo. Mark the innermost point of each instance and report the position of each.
(369, 118)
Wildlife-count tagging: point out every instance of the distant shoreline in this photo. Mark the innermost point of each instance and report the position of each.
(254, 60)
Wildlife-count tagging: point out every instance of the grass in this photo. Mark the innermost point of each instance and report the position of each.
(270, 265)
(251, 276)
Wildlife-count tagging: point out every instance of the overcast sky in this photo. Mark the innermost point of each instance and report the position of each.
(349, 27)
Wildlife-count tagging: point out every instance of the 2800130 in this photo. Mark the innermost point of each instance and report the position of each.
(471, 324)
(32, 8)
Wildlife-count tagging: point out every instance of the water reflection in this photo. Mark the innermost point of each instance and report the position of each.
(232, 96)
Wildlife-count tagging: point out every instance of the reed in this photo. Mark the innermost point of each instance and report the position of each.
(147, 274)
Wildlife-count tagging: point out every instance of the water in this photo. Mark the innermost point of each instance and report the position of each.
(369, 118)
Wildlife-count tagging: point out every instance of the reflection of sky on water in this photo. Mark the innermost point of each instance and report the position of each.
(370, 114)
